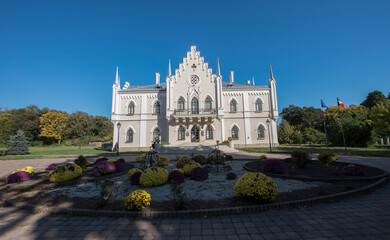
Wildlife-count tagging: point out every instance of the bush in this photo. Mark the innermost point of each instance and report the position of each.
(111, 160)
(19, 176)
(65, 173)
(256, 186)
(18, 144)
(188, 167)
(183, 161)
(179, 170)
(132, 171)
(119, 166)
(199, 174)
(352, 170)
(231, 176)
(179, 198)
(137, 200)
(210, 158)
(263, 158)
(220, 159)
(104, 168)
(327, 158)
(274, 166)
(154, 176)
(51, 166)
(134, 179)
(162, 161)
(228, 157)
(140, 159)
(300, 159)
(28, 169)
(200, 158)
(121, 160)
(102, 159)
(82, 161)
(176, 176)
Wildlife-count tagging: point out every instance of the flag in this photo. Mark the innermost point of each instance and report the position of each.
(340, 103)
(323, 105)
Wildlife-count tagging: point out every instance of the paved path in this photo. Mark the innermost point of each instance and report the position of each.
(364, 217)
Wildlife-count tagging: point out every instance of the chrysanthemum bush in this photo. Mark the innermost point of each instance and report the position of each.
(274, 166)
(353, 170)
(188, 167)
(327, 158)
(263, 158)
(176, 176)
(300, 159)
(231, 176)
(65, 173)
(101, 159)
(140, 159)
(134, 179)
(200, 158)
(132, 171)
(199, 174)
(154, 176)
(104, 168)
(162, 161)
(183, 161)
(256, 186)
(19, 176)
(51, 166)
(28, 169)
(82, 161)
(137, 200)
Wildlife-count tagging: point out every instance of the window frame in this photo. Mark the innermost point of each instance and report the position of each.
(235, 129)
(258, 132)
(128, 140)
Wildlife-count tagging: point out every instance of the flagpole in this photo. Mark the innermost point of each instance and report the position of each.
(342, 129)
(326, 133)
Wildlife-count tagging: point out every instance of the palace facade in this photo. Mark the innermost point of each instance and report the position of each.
(194, 106)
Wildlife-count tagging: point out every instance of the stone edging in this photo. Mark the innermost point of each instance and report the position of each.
(198, 213)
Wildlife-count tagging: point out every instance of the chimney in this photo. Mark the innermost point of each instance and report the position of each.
(231, 77)
(157, 79)
(248, 82)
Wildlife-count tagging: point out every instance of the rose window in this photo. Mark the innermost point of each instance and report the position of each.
(194, 80)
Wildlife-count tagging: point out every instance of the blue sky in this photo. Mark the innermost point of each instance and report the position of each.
(63, 54)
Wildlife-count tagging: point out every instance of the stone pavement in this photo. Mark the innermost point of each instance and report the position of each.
(364, 217)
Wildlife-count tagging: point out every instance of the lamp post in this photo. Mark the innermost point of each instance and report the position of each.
(269, 135)
(117, 149)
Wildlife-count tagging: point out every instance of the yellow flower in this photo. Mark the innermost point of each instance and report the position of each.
(28, 169)
(137, 200)
(257, 186)
(153, 176)
(65, 173)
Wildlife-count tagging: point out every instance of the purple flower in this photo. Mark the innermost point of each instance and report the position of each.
(135, 178)
(199, 174)
(102, 159)
(121, 160)
(274, 166)
(352, 171)
(176, 176)
(51, 166)
(18, 177)
(119, 166)
(231, 176)
(104, 168)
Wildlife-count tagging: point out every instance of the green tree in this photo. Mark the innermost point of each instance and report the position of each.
(18, 144)
(373, 99)
(381, 118)
(102, 127)
(79, 123)
(287, 134)
(52, 125)
(304, 117)
(313, 136)
(5, 127)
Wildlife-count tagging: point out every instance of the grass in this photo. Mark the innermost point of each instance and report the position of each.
(380, 151)
(60, 151)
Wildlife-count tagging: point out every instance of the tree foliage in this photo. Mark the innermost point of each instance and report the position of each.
(373, 99)
(18, 144)
(381, 118)
(53, 124)
(287, 134)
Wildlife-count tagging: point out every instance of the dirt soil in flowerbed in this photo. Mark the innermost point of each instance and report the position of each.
(39, 179)
(317, 171)
(42, 198)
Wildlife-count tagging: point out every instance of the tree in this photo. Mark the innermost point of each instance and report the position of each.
(311, 136)
(79, 123)
(52, 125)
(302, 118)
(287, 133)
(373, 99)
(5, 127)
(18, 144)
(381, 118)
(102, 127)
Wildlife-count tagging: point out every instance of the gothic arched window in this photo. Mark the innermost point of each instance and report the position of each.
(260, 132)
(259, 105)
(181, 133)
(209, 132)
(131, 109)
(194, 106)
(156, 108)
(233, 106)
(208, 103)
(129, 136)
(180, 104)
(235, 132)
(156, 134)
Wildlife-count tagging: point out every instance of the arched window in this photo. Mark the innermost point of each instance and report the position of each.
(156, 108)
(233, 106)
(156, 134)
(235, 132)
(129, 136)
(180, 104)
(194, 106)
(260, 132)
(259, 105)
(208, 103)
(209, 132)
(131, 108)
(181, 133)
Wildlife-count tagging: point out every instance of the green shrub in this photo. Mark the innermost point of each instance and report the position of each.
(256, 186)
(137, 200)
(65, 173)
(211, 157)
(189, 167)
(162, 161)
(183, 161)
(82, 161)
(327, 158)
(220, 159)
(263, 158)
(18, 144)
(300, 159)
(200, 158)
(132, 171)
(140, 159)
(154, 176)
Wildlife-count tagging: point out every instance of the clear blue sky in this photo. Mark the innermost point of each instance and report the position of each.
(63, 54)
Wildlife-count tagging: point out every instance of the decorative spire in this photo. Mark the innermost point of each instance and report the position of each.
(253, 81)
(218, 68)
(271, 75)
(117, 79)
(169, 68)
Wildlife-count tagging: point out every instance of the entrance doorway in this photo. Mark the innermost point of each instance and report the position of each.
(195, 134)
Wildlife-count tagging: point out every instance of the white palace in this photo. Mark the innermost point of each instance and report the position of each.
(194, 106)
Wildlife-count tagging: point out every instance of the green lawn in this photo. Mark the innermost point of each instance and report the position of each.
(374, 151)
(60, 151)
